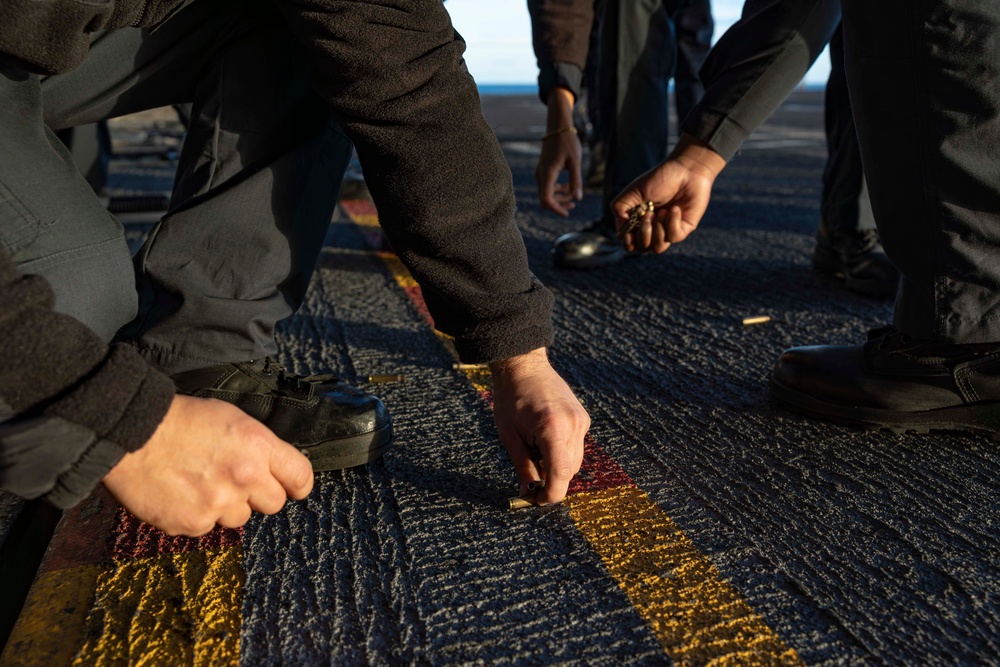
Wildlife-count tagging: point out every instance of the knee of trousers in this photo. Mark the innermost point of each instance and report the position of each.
(94, 285)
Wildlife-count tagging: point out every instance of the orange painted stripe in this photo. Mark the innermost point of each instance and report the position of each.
(696, 615)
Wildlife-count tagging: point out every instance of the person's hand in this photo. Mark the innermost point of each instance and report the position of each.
(680, 188)
(208, 463)
(537, 413)
(560, 152)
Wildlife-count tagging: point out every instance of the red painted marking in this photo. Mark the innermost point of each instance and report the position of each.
(135, 539)
(417, 298)
(83, 534)
(356, 207)
(598, 472)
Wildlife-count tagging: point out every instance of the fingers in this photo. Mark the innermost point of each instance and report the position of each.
(522, 459)
(575, 168)
(625, 202)
(560, 467)
(677, 228)
(555, 197)
(268, 497)
(561, 153)
(235, 516)
(560, 443)
(292, 470)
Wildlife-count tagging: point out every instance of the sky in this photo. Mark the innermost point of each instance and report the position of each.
(498, 33)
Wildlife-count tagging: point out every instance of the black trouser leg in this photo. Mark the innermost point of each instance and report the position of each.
(694, 26)
(256, 184)
(845, 200)
(638, 55)
(51, 222)
(925, 88)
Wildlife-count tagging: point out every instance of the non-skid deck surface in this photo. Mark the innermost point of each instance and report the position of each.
(705, 528)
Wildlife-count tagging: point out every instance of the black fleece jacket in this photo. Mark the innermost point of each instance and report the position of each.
(70, 406)
(392, 71)
(748, 74)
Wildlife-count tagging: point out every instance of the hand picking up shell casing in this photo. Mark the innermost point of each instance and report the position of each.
(635, 216)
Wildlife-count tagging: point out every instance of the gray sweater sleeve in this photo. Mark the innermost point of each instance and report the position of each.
(756, 65)
(393, 72)
(70, 406)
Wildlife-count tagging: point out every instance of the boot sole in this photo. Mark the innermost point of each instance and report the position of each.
(349, 452)
(981, 418)
(829, 265)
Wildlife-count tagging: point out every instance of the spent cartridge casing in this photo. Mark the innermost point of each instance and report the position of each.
(520, 502)
(380, 379)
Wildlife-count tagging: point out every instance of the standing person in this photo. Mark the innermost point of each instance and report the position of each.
(923, 85)
(280, 90)
(847, 244)
(640, 51)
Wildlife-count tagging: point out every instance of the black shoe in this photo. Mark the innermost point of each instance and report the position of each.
(592, 248)
(896, 383)
(334, 424)
(856, 257)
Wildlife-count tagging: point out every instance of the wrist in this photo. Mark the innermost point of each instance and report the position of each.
(560, 108)
(697, 156)
(522, 363)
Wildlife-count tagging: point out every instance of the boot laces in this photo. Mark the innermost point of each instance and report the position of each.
(294, 382)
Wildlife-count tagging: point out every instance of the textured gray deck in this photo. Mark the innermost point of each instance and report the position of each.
(857, 548)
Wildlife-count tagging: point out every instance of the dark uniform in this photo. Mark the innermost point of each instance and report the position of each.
(924, 80)
(280, 91)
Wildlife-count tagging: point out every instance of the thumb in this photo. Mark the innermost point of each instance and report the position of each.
(625, 202)
(292, 470)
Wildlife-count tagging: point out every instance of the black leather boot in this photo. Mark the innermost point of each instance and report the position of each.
(857, 258)
(334, 424)
(594, 247)
(896, 383)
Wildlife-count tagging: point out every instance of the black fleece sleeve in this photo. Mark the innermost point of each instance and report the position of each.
(756, 65)
(560, 34)
(393, 72)
(70, 406)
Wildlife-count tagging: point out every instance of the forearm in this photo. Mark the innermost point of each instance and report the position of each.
(70, 407)
(756, 65)
(393, 73)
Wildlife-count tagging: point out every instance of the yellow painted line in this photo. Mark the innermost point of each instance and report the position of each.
(696, 615)
(180, 608)
(49, 631)
(170, 609)
(398, 270)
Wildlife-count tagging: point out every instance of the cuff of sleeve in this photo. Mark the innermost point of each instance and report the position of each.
(717, 130)
(486, 350)
(76, 483)
(566, 75)
(143, 416)
(124, 401)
